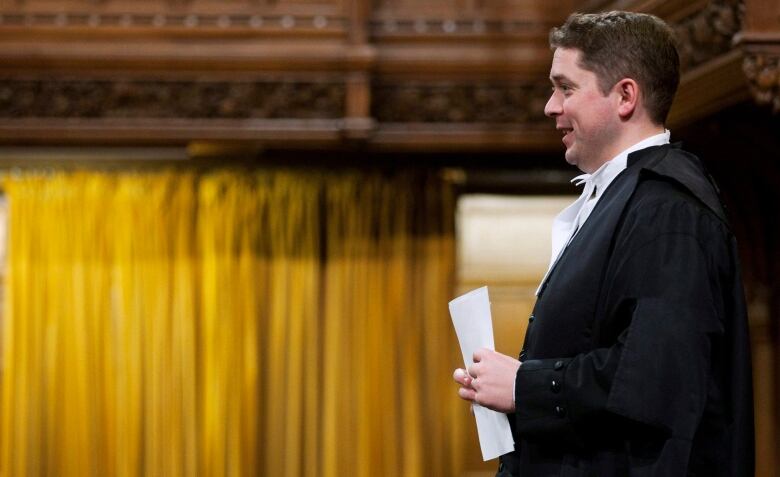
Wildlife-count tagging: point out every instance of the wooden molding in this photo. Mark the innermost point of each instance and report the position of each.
(57, 56)
(670, 10)
(97, 24)
(173, 6)
(708, 88)
(465, 137)
(278, 132)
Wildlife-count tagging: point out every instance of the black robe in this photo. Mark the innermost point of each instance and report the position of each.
(636, 361)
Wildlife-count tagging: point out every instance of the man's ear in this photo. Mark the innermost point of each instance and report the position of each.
(628, 93)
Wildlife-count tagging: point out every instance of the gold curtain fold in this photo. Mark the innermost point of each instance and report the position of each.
(231, 323)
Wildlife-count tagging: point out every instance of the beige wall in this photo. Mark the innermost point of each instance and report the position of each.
(504, 242)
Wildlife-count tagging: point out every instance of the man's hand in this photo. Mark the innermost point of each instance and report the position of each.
(490, 381)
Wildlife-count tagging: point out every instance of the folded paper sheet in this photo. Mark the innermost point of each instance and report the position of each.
(474, 327)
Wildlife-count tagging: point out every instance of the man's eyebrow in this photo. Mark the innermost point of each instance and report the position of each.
(560, 78)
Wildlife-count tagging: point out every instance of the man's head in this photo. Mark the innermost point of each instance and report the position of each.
(614, 76)
(618, 45)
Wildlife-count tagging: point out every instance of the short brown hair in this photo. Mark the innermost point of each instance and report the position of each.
(617, 45)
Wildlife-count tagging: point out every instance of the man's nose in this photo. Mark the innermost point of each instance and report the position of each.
(553, 106)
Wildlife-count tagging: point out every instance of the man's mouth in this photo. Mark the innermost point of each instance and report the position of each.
(565, 133)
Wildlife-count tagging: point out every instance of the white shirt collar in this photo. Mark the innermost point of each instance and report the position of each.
(604, 175)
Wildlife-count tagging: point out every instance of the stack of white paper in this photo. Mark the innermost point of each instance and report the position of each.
(474, 327)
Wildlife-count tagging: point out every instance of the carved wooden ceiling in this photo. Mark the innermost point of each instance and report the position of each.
(382, 74)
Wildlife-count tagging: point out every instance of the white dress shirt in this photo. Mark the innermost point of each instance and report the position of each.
(570, 220)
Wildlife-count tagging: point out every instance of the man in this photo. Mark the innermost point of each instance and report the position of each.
(636, 360)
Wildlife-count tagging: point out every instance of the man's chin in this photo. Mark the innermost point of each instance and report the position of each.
(571, 157)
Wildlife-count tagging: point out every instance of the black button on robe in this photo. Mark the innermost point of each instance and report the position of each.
(642, 327)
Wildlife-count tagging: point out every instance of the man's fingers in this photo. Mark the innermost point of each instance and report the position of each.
(480, 354)
(460, 376)
(473, 370)
(467, 394)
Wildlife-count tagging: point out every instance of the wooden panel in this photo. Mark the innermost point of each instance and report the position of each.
(762, 16)
(458, 57)
(465, 137)
(709, 88)
(529, 10)
(278, 133)
(670, 10)
(143, 6)
(765, 384)
(74, 48)
(193, 19)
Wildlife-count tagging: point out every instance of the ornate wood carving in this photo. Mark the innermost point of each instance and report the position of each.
(763, 73)
(450, 102)
(708, 33)
(760, 42)
(373, 66)
(91, 98)
(712, 77)
(709, 88)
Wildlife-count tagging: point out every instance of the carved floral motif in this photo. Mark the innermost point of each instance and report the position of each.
(447, 102)
(709, 32)
(58, 98)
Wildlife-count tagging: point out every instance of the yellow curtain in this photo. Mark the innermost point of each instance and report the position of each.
(231, 323)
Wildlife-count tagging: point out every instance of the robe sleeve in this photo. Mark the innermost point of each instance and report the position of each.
(664, 282)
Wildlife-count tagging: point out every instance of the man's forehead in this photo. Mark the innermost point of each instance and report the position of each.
(565, 63)
(566, 55)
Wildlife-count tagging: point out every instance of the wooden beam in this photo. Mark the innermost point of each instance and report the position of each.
(709, 88)
(465, 137)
